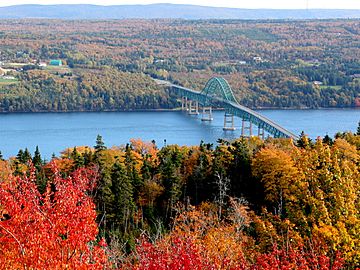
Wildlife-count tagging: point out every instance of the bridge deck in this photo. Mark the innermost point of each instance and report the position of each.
(259, 118)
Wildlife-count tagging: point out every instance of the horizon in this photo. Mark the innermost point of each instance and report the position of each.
(255, 4)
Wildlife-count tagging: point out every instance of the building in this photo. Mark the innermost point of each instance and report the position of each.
(258, 59)
(55, 63)
(317, 83)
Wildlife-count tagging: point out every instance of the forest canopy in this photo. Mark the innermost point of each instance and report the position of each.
(245, 204)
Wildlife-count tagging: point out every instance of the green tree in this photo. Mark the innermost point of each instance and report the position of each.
(104, 199)
(131, 171)
(41, 180)
(303, 141)
(37, 161)
(100, 145)
(20, 156)
(78, 158)
(122, 190)
(170, 162)
(23, 156)
(327, 140)
(26, 156)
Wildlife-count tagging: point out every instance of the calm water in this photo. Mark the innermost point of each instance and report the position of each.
(54, 132)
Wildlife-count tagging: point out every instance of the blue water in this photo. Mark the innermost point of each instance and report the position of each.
(53, 132)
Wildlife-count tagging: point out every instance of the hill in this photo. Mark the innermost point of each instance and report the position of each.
(166, 11)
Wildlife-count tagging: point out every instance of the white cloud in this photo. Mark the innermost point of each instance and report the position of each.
(346, 4)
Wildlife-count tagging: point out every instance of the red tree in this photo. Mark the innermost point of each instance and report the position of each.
(54, 230)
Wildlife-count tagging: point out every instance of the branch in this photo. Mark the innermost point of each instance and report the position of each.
(13, 236)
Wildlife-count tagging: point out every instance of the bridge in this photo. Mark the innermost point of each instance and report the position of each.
(218, 93)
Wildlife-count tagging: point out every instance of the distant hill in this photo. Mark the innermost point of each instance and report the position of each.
(166, 11)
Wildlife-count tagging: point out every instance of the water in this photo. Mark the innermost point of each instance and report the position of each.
(53, 132)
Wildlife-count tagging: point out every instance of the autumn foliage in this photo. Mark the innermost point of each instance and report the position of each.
(220, 245)
(247, 204)
(54, 230)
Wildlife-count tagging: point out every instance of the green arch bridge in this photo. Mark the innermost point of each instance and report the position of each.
(218, 93)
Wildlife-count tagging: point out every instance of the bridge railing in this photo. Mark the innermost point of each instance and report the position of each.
(207, 98)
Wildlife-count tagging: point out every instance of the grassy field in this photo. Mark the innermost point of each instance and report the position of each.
(335, 87)
(58, 69)
(7, 81)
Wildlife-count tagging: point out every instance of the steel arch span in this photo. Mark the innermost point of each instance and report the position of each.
(218, 87)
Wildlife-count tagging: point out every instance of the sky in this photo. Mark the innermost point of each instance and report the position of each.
(295, 4)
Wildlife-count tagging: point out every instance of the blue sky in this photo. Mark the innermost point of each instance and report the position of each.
(346, 4)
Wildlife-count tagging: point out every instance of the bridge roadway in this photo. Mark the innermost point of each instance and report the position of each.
(233, 107)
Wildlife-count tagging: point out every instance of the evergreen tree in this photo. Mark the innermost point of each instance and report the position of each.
(242, 183)
(78, 158)
(26, 156)
(131, 171)
(358, 129)
(122, 190)
(104, 199)
(87, 156)
(170, 162)
(1, 156)
(37, 161)
(198, 187)
(327, 140)
(20, 156)
(41, 180)
(303, 141)
(100, 145)
(146, 170)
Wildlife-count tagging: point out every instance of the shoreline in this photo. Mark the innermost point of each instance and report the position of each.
(179, 109)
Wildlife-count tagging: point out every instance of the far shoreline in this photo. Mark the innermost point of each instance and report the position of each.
(179, 109)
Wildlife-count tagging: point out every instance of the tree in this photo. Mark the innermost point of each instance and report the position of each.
(131, 163)
(55, 230)
(122, 190)
(37, 161)
(358, 129)
(223, 185)
(26, 156)
(100, 145)
(278, 174)
(327, 140)
(303, 140)
(20, 156)
(170, 158)
(78, 158)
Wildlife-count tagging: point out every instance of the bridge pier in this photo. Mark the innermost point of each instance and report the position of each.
(218, 93)
(193, 110)
(261, 133)
(184, 103)
(229, 119)
(244, 128)
(207, 114)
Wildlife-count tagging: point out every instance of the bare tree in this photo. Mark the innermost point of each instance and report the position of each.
(223, 184)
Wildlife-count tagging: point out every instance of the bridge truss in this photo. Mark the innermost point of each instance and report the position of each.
(218, 93)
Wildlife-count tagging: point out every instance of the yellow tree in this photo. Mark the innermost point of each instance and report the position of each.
(278, 174)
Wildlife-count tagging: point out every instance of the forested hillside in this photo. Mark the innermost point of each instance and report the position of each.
(108, 65)
(246, 204)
